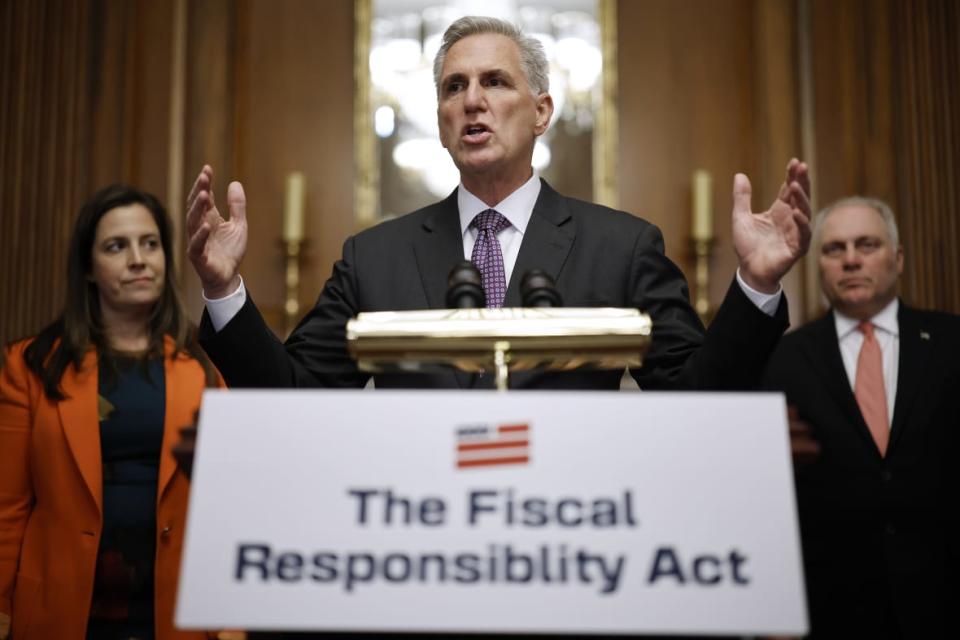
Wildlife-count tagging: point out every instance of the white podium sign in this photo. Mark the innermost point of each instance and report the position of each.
(541, 512)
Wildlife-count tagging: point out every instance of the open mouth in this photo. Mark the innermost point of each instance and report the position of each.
(475, 132)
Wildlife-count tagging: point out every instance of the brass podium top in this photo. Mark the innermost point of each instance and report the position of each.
(553, 338)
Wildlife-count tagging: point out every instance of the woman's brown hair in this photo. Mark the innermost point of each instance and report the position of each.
(80, 326)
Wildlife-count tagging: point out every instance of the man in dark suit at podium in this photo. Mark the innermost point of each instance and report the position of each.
(877, 382)
(493, 102)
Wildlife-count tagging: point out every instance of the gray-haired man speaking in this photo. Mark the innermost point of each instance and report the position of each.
(493, 103)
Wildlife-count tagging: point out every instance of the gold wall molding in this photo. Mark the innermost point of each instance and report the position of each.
(606, 135)
(366, 181)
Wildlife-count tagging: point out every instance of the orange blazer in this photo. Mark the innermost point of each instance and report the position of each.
(51, 497)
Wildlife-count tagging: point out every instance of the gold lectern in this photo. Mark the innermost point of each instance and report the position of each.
(499, 339)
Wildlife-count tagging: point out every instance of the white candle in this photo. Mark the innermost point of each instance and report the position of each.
(702, 227)
(293, 208)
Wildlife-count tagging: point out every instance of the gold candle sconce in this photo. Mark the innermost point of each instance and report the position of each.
(293, 238)
(702, 237)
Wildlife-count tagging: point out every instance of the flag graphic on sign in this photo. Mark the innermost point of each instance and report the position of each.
(482, 445)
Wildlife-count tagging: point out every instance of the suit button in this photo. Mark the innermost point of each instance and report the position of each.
(886, 476)
(165, 532)
(890, 529)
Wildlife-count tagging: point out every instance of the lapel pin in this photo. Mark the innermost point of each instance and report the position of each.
(924, 335)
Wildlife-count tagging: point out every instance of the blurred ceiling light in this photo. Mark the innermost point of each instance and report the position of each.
(541, 156)
(416, 154)
(395, 47)
(430, 161)
(417, 101)
(384, 121)
(537, 22)
(435, 21)
(578, 48)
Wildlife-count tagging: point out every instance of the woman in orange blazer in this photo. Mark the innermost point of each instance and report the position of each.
(92, 507)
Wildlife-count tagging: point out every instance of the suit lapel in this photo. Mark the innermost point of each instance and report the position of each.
(546, 242)
(179, 384)
(916, 342)
(438, 247)
(80, 420)
(824, 354)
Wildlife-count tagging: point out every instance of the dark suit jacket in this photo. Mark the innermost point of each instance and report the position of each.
(879, 533)
(597, 256)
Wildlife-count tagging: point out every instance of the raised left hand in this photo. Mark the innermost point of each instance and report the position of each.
(769, 243)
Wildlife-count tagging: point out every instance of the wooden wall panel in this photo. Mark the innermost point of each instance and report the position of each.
(704, 84)
(273, 97)
(84, 86)
(129, 94)
(44, 64)
(684, 107)
(296, 115)
(150, 103)
(927, 87)
(777, 90)
(210, 111)
(852, 58)
(886, 84)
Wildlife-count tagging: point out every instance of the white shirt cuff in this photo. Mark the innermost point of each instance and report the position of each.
(766, 302)
(223, 309)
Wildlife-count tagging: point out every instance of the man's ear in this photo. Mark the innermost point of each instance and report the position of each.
(899, 260)
(544, 113)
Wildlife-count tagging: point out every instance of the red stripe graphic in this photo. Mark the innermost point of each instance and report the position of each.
(512, 428)
(492, 461)
(480, 445)
(506, 444)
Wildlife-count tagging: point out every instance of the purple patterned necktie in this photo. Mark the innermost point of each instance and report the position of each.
(488, 257)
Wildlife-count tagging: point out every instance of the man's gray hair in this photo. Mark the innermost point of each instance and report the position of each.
(876, 204)
(533, 61)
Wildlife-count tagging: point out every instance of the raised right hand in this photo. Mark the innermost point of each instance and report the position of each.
(768, 243)
(216, 245)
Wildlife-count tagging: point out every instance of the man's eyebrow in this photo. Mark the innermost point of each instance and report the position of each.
(856, 240)
(459, 75)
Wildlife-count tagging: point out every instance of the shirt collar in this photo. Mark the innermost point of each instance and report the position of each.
(516, 207)
(886, 320)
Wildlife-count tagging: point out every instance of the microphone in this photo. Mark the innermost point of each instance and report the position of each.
(465, 287)
(538, 289)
